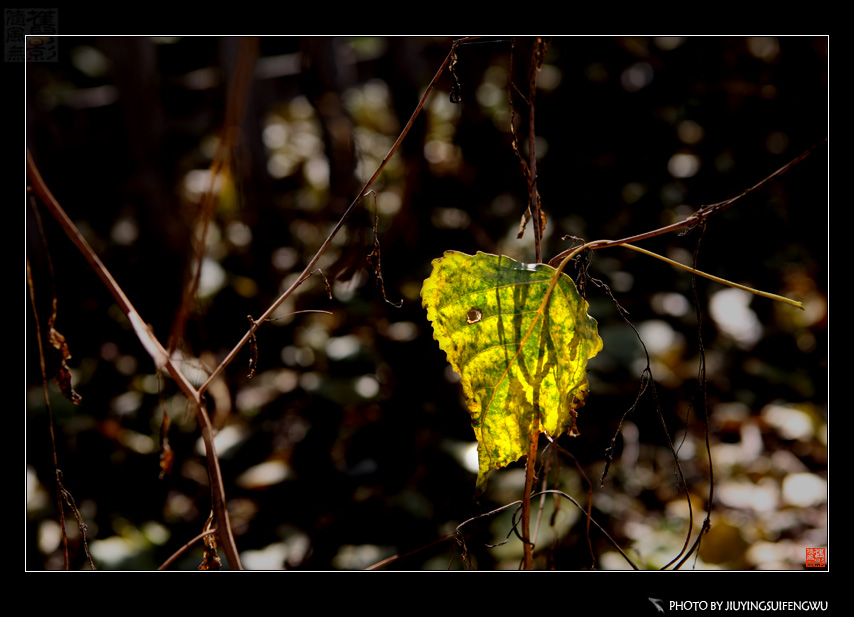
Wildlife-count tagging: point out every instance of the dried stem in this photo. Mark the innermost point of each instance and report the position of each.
(527, 541)
(236, 104)
(537, 216)
(534, 196)
(365, 189)
(161, 358)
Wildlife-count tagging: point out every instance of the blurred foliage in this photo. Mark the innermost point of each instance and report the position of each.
(352, 443)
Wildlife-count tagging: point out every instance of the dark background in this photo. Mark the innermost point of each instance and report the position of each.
(359, 407)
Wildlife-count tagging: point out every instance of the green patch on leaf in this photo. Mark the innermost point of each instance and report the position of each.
(519, 336)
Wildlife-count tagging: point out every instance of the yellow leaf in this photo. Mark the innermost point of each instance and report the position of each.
(520, 344)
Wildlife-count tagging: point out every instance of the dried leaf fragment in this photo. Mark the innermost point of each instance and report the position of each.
(374, 258)
(211, 560)
(63, 373)
(167, 454)
(253, 350)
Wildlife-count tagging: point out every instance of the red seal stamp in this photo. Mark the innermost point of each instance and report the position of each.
(816, 557)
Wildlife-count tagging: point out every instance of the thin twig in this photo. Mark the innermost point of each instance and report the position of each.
(698, 217)
(81, 525)
(394, 558)
(704, 404)
(589, 512)
(717, 279)
(580, 507)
